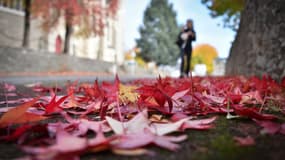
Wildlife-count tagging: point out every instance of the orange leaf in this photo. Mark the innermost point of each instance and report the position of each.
(18, 115)
(132, 152)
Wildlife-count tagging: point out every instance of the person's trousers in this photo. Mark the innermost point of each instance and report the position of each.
(186, 54)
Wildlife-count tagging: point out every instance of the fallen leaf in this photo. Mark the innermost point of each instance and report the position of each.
(136, 124)
(66, 145)
(132, 152)
(178, 116)
(167, 142)
(17, 133)
(54, 106)
(127, 93)
(166, 128)
(244, 141)
(200, 124)
(251, 113)
(9, 87)
(282, 130)
(269, 127)
(141, 139)
(19, 115)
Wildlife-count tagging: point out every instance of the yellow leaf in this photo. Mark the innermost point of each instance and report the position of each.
(128, 93)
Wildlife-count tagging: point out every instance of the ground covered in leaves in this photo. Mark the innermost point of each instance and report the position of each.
(163, 118)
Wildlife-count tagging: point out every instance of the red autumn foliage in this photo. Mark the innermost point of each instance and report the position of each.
(54, 106)
(252, 113)
(72, 11)
(98, 109)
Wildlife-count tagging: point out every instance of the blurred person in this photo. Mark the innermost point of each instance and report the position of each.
(184, 42)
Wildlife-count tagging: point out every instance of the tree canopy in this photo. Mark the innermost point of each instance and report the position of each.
(158, 33)
(204, 54)
(230, 10)
(88, 15)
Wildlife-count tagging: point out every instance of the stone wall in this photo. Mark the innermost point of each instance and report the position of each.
(259, 47)
(12, 29)
(6, 29)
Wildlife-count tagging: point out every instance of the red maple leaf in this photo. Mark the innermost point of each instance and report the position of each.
(54, 106)
(252, 113)
(161, 92)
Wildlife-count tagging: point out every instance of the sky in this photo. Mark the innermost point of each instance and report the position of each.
(209, 30)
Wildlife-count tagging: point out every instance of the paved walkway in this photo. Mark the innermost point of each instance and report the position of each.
(61, 77)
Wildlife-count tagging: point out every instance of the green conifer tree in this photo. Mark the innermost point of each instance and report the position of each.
(158, 33)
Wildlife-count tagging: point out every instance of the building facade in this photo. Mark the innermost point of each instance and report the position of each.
(108, 47)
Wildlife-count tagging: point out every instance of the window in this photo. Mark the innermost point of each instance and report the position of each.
(111, 34)
(12, 4)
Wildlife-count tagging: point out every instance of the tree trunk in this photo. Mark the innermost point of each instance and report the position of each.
(259, 47)
(68, 32)
(26, 36)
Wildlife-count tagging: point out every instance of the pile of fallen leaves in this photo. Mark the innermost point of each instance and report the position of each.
(126, 118)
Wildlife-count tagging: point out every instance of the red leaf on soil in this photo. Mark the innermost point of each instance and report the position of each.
(134, 140)
(252, 97)
(53, 105)
(234, 98)
(22, 133)
(200, 124)
(282, 130)
(167, 142)
(43, 89)
(17, 101)
(140, 122)
(244, 141)
(19, 115)
(66, 146)
(111, 93)
(161, 92)
(166, 128)
(111, 90)
(269, 127)
(9, 87)
(141, 139)
(252, 113)
(17, 133)
(283, 82)
(136, 124)
(178, 116)
(92, 92)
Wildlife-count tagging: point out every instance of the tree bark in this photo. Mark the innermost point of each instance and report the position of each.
(26, 36)
(259, 47)
(68, 31)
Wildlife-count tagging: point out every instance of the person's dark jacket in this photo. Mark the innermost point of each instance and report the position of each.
(189, 41)
(179, 42)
